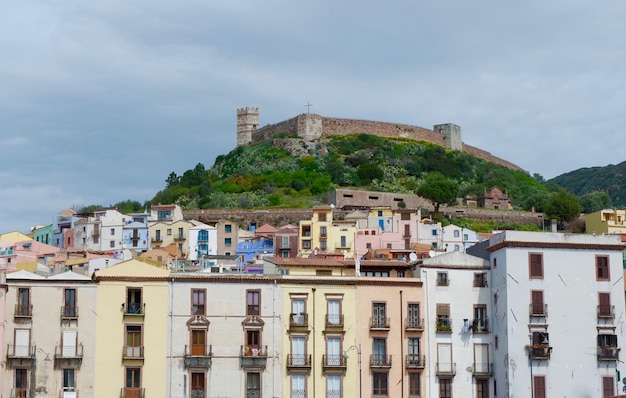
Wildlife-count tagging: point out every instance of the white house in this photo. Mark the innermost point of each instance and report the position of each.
(558, 320)
(459, 355)
(202, 241)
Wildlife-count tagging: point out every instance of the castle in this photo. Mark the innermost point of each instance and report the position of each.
(310, 127)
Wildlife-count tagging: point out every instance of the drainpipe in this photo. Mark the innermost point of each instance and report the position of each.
(171, 311)
(427, 328)
(314, 356)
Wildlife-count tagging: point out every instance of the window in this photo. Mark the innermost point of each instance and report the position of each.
(607, 347)
(379, 315)
(323, 244)
(539, 386)
(444, 324)
(169, 231)
(69, 304)
(228, 228)
(334, 356)
(379, 383)
(21, 383)
(164, 214)
(253, 385)
(134, 345)
(69, 339)
(540, 345)
(69, 380)
(535, 265)
(112, 231)
(605, 310)
(306, 244)
(413, 315)
(368, 245)
(298, 311)
(333, 386)
(379, 352)
(333, 312)
(400, 274)
(413, 357)
(112, 243)
(253, 300)
(298, 386)
(414, 384)
(608, 386)
(602, 268)
(344, 241)
(482, 388)
(298, 350)
(442, 279)
(253, 339)
(23, 308)
(198, 342)
(479, 325)
(198, 302)
(321, 217)
(445, 388)
(133, 383)
(285, 253)
(457, 233)
(433, 232)
(181, 233)
(537, 307)
(198, 383)
(480, 279)
(322, 231)
(285, 242)
(134, 303)
(228, 241)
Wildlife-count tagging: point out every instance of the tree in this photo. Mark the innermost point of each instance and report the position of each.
(438, 189)
(594, 201)
(563, 206)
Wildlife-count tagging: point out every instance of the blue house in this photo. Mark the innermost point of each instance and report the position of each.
(251, 253)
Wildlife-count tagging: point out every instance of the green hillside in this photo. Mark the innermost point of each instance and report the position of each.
(610, 179)
(291, 172)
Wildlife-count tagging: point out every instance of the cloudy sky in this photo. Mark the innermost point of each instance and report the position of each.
(100, 101)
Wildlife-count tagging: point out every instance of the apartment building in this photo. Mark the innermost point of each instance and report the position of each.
(323, 235)
(606, 221)
(458, 313)
(558, 319)
(49, 334)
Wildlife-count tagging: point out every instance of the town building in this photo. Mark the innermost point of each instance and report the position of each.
(606, 221)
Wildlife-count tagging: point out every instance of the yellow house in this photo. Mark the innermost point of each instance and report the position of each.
(132, 330)
(323, 235)
(607, 221)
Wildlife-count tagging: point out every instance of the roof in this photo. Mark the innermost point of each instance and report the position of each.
(455, 259)
(69, 276)
(13, 237)
(132, 268)
(265, 229)
(377, 263)
(305, 262)
(24, 275)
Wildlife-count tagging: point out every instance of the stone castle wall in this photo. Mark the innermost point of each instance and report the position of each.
(311, 126)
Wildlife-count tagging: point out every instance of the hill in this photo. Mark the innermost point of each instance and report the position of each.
(610, 179)
(288, 171)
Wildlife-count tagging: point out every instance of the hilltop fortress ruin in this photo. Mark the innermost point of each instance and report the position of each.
(310, 127)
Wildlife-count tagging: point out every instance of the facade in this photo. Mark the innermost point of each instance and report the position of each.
(558, 301)
(460, 350)
(61, 224)
(607, 221)
(253, 253)
(43, 234)
(202, 241)
(135, 233)
(323, 235)
(101, 232)
(49, 334)
(455, 238)
(132, 340)
(286, 241)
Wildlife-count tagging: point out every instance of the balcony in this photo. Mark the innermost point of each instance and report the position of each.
(540, 351)
(298, 322)
(157, 239)
(538, 310)
(298, 362)
(198, 356)
(334, 362)
(415, 361)
(482, 369)
(380, 323)
(443, 325)
(20, 393)
(343, 246)
(253, 356)
(69, 312)
(23, 311)
(334, 321)
(606, 312)
(132, 352)
(445, 369)
(608, 353)
(21, 355)
(414, 324)
(68, 356)
(8, 252)
(480, 326)
(380, 361)
(134, 309)
(67, 393)
(132, 392)
(179, 237)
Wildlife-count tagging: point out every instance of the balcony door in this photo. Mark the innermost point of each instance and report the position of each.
(298, 350)
(133, 383)
(481, 358)
(380, 351)
(333, 350)
(444, 358)
(69, 383)
(414, 351)
(334, 316)
(198, 342)
(69, 343)
(22, 342)
(297, 309)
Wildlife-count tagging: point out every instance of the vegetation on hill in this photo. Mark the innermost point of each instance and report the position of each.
(596, 184)
(290, 172)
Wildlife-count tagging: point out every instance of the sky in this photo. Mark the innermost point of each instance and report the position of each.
(101, 101)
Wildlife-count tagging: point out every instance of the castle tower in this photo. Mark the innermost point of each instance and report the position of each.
(247, 123)
(451, 134)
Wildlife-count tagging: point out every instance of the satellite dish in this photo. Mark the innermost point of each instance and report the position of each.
(412, 256)
(431, 253)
